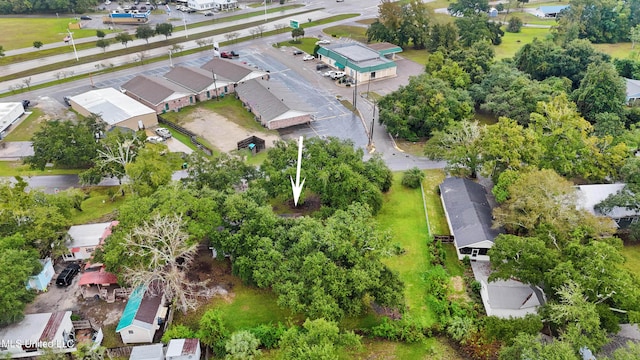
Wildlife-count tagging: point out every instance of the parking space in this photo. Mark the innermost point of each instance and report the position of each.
(56, 298)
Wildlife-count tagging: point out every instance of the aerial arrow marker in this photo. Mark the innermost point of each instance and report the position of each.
(297, 186)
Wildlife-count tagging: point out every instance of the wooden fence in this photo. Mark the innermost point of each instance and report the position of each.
(443, 238)
(192, 136)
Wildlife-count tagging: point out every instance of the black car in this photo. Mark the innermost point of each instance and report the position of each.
(298, 52)
(322, 66)
(85, 17)
(67, 100)
(25, 103)
(233, 53)
(66, 276)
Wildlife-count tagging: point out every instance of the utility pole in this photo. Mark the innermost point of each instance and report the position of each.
(170, 59)
(215, 85)
(73, 44)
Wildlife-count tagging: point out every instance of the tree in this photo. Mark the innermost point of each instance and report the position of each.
(116, 150)
(124, 38)
(468, 7)
(212, 330)
(474, 29)
(145, 32)
(318, 339)
(425, 105)
(515, 24)
(412, 178)
(526, 259)
(37, 44)
(533, 347)
(19, 261)
(165, 29)
(220, 171)
(599, 21)
(164, 251)
(100, 34)
(443, 36)
(242, 345)
(475, 60)
(634, 35)
(458, 144)
(86, 352)
(103, 44)
(297, 33)
(1, 51)
(601, 90)
(178, 332)
(149, 171)
(65, 144)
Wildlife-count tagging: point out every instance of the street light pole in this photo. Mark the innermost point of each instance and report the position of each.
(265, 10)
(186, 32)
(215, 85)
(170, 59)
(73, 44)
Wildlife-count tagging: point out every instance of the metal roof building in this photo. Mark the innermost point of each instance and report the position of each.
(10, 112)
(114, 108)
(141, 316)
(358, 61)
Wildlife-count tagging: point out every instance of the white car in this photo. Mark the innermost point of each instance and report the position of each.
(323, 42)
(329, 73)
(308, 57)
(164, 133)
(155, 139)
(337, 75)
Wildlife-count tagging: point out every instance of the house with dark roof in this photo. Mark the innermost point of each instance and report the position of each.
(358, 61)
(204, 84)
(36, 333)
(143, 315)
(232, 71)
(273, 104)
(468, 214)
(183, 349)
(158, 93)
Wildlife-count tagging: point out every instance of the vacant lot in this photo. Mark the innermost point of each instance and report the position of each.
(512, 42)
(22, 32)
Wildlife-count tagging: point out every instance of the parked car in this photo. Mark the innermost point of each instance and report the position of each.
(155, 139)
(337, 75)
(107, 2)
(323, 42)
(189, 10)
(208, 13)
(148, 3)
(233, 53)
(25, 103)
(66, 276)
(136, 2)
(85, 17)
(226, 55)
(328, 73)
(67, 100)
(143, 8)
(322, 66)
(163, 132)
(298, 52)
(308, 57)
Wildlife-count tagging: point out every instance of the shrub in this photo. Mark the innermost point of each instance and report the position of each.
(505, 330)
(515, 24)
(177, 332)
(412, 178)
(406, 330)
(242, 345)
(269, 334)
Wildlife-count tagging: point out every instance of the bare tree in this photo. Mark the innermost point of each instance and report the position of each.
(141, 56)
(261, 29)
(234, 35)
(201, 42)
(27, 82)
(228, 36)
(279, 26)
(253, 32)
(58, 75)
(167, 252)
(176, 48)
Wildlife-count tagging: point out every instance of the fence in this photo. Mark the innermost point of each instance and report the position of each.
(443, 238)
(192, 136)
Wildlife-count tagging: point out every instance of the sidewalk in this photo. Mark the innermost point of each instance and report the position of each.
(125, 59)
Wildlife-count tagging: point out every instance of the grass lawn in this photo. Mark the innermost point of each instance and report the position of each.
(97, 206)
(527, 18)
(250, 159)
(437, 220)
(348, 31)
(306, 44)
(17, 168)
(22, 32)
(412, 147)
(512, 42)
(632, 254)
(27, 127)
(537, 4)
(403, 215)
(619, 50)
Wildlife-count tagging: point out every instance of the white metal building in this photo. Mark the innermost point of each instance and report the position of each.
(9, 113)
(37, 332)
(115, 108)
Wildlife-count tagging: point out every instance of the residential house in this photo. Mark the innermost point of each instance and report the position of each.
(204, 84)
(232, 71)
(37, 333)
(633, 91)
(225, 5)
(358, 61)
(114, 108)
(274, 105)
(41, 281)
(82, 240)
(183, 349)
(148, 352)
(591, 195)
(143, 315)
(468, 214)
(158, 93)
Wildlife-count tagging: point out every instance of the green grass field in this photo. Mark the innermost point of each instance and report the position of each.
(27, 127)
(403, 215)
(20, 33)
(512, 42)
(632, 255)
(619, 50)
(97, 206)
(17, 168)
(348, 31)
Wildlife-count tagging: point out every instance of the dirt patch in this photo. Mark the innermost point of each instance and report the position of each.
(220, 132)
(311, 204)
(53, 110)
(459, 292)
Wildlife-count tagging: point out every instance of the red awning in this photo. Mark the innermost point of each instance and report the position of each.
(98, 278)
(75, 249)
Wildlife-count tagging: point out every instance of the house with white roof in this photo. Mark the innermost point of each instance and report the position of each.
(359, 61)
(550, 11)
(10, 112)
(589, 196)
(633, 91)
(143, 315)
(183, 349)
(114, 108)
(37, 333)
(82, 240)
(148, 352)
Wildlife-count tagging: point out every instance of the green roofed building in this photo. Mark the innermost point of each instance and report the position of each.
(359, 61)
(143, 315)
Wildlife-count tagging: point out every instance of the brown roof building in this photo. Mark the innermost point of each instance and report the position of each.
(158, 93)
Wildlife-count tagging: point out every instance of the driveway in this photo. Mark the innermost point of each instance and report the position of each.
(56, 298)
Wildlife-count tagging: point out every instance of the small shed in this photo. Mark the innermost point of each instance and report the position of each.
(142, 316)
(253, 143)
(41, 281)
(147, 352)
(183, 349)
(493, 12)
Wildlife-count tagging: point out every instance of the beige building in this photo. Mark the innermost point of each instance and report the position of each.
(114, 108)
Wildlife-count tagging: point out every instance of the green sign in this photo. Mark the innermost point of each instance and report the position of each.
(294, 24)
